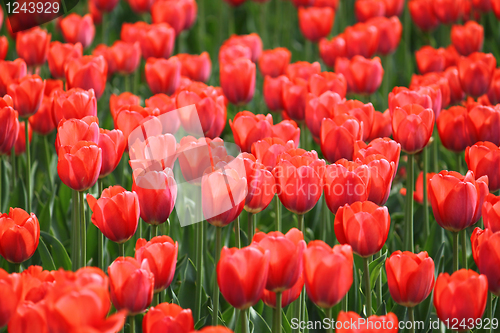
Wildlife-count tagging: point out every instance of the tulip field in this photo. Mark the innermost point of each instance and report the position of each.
(249, 166)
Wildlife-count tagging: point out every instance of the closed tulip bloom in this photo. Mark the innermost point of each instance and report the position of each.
(302, 70)
(237, 79)
(486, 248)
(316, 22)
(235, 3)
(319, 108)
(11, 296)
(27, 94)
(126, 56)
(78, 166)
(422, 14)
(367, 9)
(42, 122)
(346, 182)
(267, 150)
(361, 39)
(338, 135)
(476, 73)
(273, 92)
(105, 5)
(453, 127)
(9, 129)
(330, 50)
(88, 72)
(327, 81)
(157, 192)
(156, 153)
(363, 225)
(162, 75)
(260, 185)
(161, 255)
(274, 62)
(131, 284)
(168, 317)
(385, 147)
(248, 128)
(140, 6)
(393, 7)
(19, 235)
(294, 99)
(32, 46)
(253, 41)
(482, 5)
(70, 132)
(381, 126)
(491, 212)
(362, 112)
(287, 297)
(412, 126)
(287, 130)
(323, 263)
(401, 96)
(374, 324)
(381, 173)
(453, 306)
(457, 200)
(112, 144)
(482, 158)
(448, 11)
(363, 76)
(196, 67)
(410, 277)
(468, 38)
(78, 29)
(60, 54)
(171, 12)
(494, 92)
(456, 92)
(74, 103)
(430, 59)
(11, 71)
(157, 41)
(117, 101)
(4, 47)
(484, 124)
(390, 31)
(242, 275)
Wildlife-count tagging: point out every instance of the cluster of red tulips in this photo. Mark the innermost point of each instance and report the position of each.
(144, 116)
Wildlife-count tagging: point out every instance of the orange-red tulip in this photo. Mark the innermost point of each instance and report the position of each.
(157, 41)
(456, 92)
(353, 323)
(361, 39)
(412, 126)
(196, 67)
(390, 31)
(248, 128)
(74, 103)
(482, 158)
(126, 98)
(32, 46)
(468, 38)
(302, 70)
(330, 50)
(430, 59)
(367, 9)
(452, 300)
(381, 125)
(287, 297)
(260, 184)
(486, 248)
(422, 14)
(385, 147)
(87, 72)
(316, 22)
(126, 56)
(362, 112)
(27, 94)
(237, 79)
(168, 317)
(338, 136)
(448, 11)
(418, 194)
(476, 73)
(112, 144)
(70, 132)
(60, 54)
(363, 225)
(11, 295)
(484, 124)
(267, 150)
(42, 121)
(4, 47)
(9, 128)
(19, 235)
(327, 81)
(78, 166)
(287, 130)
(319, 108)
(78, 29)
(11, 71)
(274, 62)
(328, 272)
(294, 98)
(253, 41)
(491, 213)
(363, 76)
(105, 5)
(162, 75)
(453, 127)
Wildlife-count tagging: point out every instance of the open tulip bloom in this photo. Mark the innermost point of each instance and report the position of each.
(249, 166)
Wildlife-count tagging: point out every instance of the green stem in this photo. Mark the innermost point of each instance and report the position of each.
(300, 218)
(199, 268)
(126, 78)
(386, 61)
(237, 235)
(379, 286)
(455, 251)
(435, 151)
(489, 310)
(463, 235)
(411, 318)
(13, 163)
(277, 313)
(48, 160)
(325, 221)
(344, 305)
(309, 51)
(156, 299)
(75, 232)
(297, 313)
(459, 162)
(131, 321)
(263, 22)
(100, 236)
(329, 317)
(104, 33)
(409, 204)
(368, 291)
(231, 25)
(244, 321)
(121, 249)
(251, 227)
(154, 231)
(218, 246)
(17, 268)
(277, 206)
(83, 231)
(201, 24)
(425, 155)
(28, 166)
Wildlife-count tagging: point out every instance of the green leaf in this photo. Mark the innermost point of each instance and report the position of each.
(375, 269)
(61, 258)
(258, 324)
(47, 261)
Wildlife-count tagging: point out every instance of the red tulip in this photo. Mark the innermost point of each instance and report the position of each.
(242, 275)
(482, 5)
(112, 144)
(287, 297)
(171, 12)
(327, 81)
(390, 30)
(476, 73)
(381, 147)
(453, 306)
(95, 13)
(273, 92)
(196, 67)
(430, 59)
(163, 75)
(260, 185)
(367, 9)
(157, 192)
(422, 14)
(87, 73)
(353, 323)
(235, 3)
(11, 71)
(267, 150)
(20, 145)
(330, 50)
(248, 128)
(156, 153)
(78, 166)
(117, 101)
(287, 130)
(70, 132)
(338, 136)
(491, 213)
(439, 92)
(115, 213)
(60, 54)
(361, 39)
(482, 158)
(299, 180)
(140, 6)
(274, 62)
(131, 284)
(78, 29)
(4, 47)
(381, 173)
(485, 248)
(74, 103)
(468, 38)
(11, 296)
(381, 126)
(323, 263)
(412, 126)
(294, 99)
(19, 235)
(42, 122)
(457, 200)
(363, 225)
(27, 94)
(456, 92)
(161, 255)
(448, 11)
(237, 79)
(253, 41)
(126, 56)
(453, 127)
(9, 129)
(105, 5)
(362, 112)
(401, 96)
(168, 317)
(363, 76)
(319, 108)
(32, 46)
(316, 22)
(157, 41)
(302, 70)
